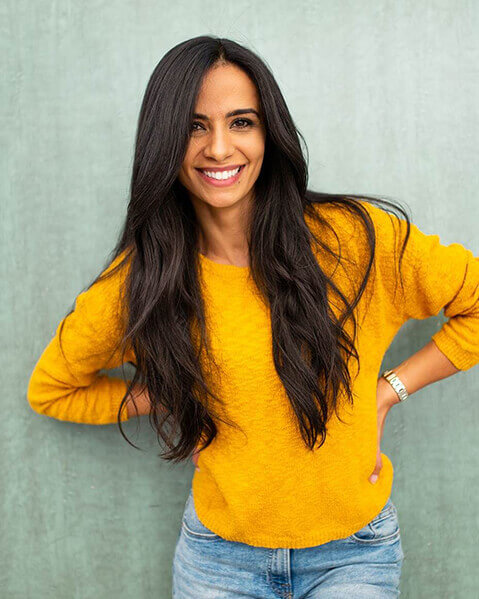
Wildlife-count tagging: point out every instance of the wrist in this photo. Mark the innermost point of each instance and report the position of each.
(387, 397)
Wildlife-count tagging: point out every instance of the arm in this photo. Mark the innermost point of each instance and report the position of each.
(424, 367)
(67, 385)
(436, 277)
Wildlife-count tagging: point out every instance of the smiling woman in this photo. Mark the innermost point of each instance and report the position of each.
(223, 160)
(237, 293)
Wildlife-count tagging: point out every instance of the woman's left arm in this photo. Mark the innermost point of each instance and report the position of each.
(436, 277)
(426, 366)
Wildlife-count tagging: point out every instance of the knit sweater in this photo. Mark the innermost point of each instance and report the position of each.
(259, 484)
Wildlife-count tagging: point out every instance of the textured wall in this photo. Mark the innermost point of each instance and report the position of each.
(386, 94)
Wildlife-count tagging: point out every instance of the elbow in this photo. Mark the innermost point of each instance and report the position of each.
(41, 395)
(35, 398)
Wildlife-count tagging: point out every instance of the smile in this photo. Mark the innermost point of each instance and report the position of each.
(221, 178)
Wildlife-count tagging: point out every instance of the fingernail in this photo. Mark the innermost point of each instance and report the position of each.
(374, 478)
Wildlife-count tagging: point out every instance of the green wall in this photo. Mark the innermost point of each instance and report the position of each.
(386, 95)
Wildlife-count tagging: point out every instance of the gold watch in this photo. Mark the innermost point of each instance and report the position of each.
(396, 383)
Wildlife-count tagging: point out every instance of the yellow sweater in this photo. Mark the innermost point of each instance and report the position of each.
(268, 489)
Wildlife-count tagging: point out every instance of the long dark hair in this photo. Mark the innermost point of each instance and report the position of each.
(164, 320)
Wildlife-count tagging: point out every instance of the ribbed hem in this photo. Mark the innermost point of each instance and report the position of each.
(302, 540)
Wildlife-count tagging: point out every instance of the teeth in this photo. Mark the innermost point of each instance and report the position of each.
(221, 175)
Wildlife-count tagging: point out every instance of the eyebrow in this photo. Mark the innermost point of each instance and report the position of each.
(197, 115)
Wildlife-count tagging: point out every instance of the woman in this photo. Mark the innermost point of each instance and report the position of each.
(257, 314)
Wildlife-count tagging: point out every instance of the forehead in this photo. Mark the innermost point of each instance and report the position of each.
(225, 88)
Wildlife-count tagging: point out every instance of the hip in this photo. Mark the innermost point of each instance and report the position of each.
(366, 564)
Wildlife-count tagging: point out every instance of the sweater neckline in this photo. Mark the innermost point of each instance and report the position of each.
(229, 271)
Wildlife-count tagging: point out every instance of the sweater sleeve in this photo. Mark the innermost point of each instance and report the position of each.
(65, 383)
(436, 277)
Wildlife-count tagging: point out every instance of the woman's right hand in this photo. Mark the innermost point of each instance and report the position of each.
(143, 407)
(142, 403)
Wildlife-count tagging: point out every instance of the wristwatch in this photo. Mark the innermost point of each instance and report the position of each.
(396, 384)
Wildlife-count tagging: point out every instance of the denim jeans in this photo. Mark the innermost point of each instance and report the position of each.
(365, 565)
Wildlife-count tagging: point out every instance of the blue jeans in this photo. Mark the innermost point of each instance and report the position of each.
(365, 565)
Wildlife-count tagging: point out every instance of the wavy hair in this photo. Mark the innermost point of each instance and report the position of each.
(164, 312)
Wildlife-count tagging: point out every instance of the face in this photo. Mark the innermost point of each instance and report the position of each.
(221, 142)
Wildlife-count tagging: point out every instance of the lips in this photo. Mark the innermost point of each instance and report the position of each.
(219, 169)
(221, 182)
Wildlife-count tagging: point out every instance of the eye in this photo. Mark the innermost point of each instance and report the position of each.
(246, 123)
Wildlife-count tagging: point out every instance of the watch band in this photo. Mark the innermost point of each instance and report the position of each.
(396, 384)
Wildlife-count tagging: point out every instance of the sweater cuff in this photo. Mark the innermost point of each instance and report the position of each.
(461, 359)
(118, 388)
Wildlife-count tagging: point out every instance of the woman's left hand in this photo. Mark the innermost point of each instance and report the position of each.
(386, 397)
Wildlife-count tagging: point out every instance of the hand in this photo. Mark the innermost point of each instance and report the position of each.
(386, 397)
(142, 401)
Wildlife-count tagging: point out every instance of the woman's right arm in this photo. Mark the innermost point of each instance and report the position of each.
(66, 385)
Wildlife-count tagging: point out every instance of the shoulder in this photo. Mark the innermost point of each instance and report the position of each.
(350, 222)
(357, 219)
(361, 233)
(329, 218)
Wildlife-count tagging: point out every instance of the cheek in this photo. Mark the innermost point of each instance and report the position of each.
(181, 176)
(258, 160)
(186, 179)
(258, 151)
(185, 171)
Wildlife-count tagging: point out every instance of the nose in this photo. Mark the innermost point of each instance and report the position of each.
(219, 145)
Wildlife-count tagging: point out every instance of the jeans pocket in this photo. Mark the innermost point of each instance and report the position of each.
(383, 528)
(191, 524)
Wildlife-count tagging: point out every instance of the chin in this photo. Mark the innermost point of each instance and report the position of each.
(222, 203)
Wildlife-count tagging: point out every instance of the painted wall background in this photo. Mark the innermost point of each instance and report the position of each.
(386, 94)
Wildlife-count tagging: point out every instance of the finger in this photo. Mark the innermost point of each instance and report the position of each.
(375, 475)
